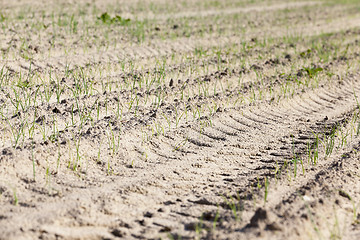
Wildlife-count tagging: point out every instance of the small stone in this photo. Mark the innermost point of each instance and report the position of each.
(117, 233)
(306, 198)
(273, 227)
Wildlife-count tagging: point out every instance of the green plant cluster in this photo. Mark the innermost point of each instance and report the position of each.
(107, 19)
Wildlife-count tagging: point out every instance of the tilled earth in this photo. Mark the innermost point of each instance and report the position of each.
(179, 119)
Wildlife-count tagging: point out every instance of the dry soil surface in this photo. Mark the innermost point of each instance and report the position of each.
(179, 119)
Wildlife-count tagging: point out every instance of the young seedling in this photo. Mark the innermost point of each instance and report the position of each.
(76, 164)
(235, 206)
(33, 159)
(58, 159)
(266, 185)
(109, 170)
(113, 141)
(199, 228)
(47, 175)
(15, 131)
(313, 151)
(315, 227)
(216, 218)
(16, 200)
(329, 141)
(295, 157)
(335, 233)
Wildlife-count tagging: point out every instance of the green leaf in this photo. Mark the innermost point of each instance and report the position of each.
(105, 18)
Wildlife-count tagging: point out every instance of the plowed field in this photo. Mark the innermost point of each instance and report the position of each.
(179, 119)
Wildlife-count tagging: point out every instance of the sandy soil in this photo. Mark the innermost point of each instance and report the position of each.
(192, 120)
